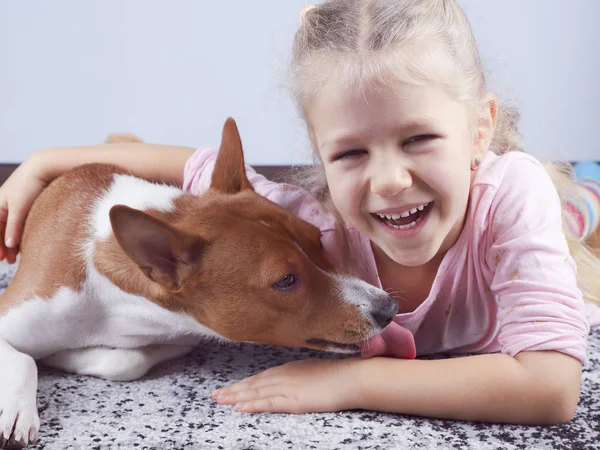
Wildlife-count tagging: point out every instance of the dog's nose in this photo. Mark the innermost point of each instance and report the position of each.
(384, 310)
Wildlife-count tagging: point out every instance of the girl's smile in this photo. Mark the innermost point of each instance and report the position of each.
(407, 223)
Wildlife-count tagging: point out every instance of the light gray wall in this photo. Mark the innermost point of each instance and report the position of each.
(72, 71)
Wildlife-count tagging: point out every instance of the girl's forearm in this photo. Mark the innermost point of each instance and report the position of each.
(154, 162)
(532, 388)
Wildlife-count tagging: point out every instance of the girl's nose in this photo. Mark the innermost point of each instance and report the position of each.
(389, 181)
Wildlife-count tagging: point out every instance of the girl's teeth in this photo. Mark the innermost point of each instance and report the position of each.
(404, 214)
(406, 227)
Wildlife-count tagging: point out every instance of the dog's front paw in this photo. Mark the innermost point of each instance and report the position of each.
(19, 425)
(11, 443)
(19, 420)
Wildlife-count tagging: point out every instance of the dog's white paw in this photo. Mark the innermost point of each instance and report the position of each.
(19, 420)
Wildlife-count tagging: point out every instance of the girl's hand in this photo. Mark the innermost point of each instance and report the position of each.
(17, 195)
(296, 387)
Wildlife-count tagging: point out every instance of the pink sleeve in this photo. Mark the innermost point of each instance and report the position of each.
(197, 177)
(534, 276)
(198, 170)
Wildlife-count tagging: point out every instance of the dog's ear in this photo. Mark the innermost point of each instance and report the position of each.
(161, 251)
(229, 175)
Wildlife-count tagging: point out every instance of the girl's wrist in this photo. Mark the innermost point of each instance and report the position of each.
(362, 376)
(373, 390)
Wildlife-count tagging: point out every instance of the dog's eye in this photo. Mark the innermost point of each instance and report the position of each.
(285, 283)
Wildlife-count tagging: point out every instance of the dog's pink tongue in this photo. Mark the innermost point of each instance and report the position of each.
(394, 340)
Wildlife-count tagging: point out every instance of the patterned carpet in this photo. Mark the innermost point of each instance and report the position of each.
(171, 408)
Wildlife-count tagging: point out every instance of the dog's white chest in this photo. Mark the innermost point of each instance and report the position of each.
(101, 315)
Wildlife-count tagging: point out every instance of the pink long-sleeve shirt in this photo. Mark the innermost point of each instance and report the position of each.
(508, 284)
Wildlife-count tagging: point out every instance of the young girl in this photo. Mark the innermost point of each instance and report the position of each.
(417, 159)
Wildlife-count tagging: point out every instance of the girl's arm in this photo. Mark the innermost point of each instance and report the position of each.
(531, 388)
(17, 194)
(154, 162)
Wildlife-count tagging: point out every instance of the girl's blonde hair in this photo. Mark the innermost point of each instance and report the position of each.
(357, 41)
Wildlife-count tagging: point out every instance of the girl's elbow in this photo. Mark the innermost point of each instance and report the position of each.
(564, 406)
(554, 381)
(558, 405)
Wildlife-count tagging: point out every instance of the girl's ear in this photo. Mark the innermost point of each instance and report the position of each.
(486, 124)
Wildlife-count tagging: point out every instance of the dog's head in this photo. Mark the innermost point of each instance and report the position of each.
(248, 269)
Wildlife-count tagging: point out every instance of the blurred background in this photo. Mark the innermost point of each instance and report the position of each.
(171, 72)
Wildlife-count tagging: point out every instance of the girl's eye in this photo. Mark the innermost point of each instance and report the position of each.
(349, 154)
(419, 138)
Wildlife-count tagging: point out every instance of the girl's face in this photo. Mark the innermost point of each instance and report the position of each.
(398, 163)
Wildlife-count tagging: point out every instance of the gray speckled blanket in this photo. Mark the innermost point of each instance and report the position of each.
(171, 408)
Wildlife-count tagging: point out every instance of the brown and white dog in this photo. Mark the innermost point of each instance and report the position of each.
(118, 274)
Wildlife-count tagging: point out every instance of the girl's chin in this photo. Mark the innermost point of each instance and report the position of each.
(410, 259)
